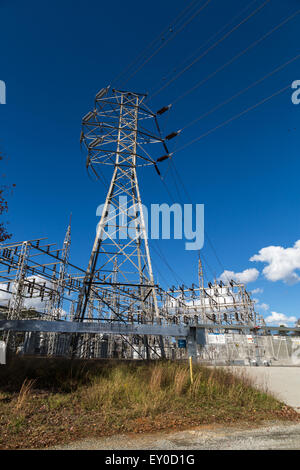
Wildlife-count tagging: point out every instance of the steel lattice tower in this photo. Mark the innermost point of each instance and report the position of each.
(119, 273)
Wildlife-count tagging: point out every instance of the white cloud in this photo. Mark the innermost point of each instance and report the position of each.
(248, 275)
(263, 306)
(279, 319)
(257, 291)
(282, 263)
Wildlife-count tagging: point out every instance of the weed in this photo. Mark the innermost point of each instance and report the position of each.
(24, 394)
(16, 424)
(83, 398)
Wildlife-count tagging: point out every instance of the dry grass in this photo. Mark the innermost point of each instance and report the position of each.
(156, 379)
(181, 379)
(24, 394)
(47, 401)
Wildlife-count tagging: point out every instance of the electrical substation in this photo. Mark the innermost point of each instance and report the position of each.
(113, 308)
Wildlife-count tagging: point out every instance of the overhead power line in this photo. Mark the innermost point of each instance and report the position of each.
(228, 100)
(159, 38)
(171, 72)
(241, 92)
(234, 117)
(213, 46)
(180, 181)
(240, 54)
(159, 252)
(168, 40)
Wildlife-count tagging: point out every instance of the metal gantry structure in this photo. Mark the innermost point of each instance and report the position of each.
(36, 284)
(31, 278)
(116, 293)
(218, 303)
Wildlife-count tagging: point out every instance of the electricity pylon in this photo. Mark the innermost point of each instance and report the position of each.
(119, 274)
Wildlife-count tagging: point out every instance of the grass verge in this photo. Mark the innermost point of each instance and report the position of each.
(46, 402)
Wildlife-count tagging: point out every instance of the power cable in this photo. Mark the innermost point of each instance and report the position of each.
(171, 72)
(213, 46)
(260, 80)
(168, 40)
(209, 267)
(205, 232)
(157, 39)
(234, 117)
(217, 127)
(163, 258)
(171, 162)
(240, 54)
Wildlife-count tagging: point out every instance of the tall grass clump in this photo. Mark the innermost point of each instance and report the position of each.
(24, 394)
(44, 401)
(156, 388)
(131, 389)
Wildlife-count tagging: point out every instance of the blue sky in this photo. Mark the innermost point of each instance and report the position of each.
(55, 56)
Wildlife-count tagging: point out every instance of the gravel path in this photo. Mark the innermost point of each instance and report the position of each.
(268, 437)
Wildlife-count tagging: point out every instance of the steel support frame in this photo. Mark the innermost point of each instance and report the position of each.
(126, 291)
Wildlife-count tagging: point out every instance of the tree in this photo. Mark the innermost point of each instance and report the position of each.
(282, 333)
(4, 235)
(297, 325)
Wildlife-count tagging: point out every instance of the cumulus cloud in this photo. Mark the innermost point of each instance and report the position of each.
(263, 306)
(248, 275)
(257, 291)
(282, 263)
(280, 319)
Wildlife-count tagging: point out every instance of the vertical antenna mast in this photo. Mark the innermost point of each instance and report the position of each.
(56, 302)
(200, 273)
